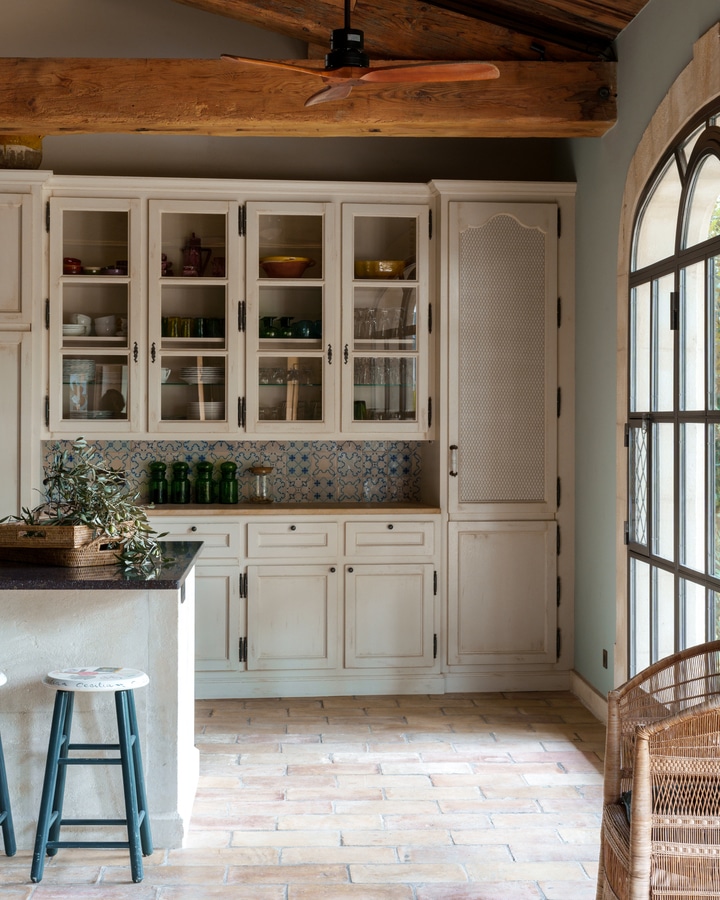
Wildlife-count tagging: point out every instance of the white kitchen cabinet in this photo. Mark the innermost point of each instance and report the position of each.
(16, 379)
(195, 317)
(389, 616)
(507, 283)
(96, 316)
(292, 617)
(17, 243)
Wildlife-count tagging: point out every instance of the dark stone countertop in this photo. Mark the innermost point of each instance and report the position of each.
(19, 576)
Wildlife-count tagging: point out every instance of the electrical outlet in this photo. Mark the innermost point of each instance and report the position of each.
(604, 659)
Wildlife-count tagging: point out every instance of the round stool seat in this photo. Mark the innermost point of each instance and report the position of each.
(3, 679)
(99, 678)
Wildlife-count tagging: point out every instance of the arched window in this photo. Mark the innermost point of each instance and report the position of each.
(673, 413)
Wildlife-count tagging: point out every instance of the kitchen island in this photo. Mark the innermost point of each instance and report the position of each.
(54, 617)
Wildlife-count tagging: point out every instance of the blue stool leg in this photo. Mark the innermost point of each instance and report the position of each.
(145, 834)
(129, 784)
(6, 821)
(59, 735)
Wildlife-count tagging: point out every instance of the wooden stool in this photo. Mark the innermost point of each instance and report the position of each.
(6, 822)
(88, 680)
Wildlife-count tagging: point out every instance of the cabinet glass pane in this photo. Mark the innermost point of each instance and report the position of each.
(291, 313)
(385, 238)
(290, 388)
(193, 315)
(193, 245)
(385, 388)
(385, 319)
(193, 388)
(95, 386)
(292, 235)
(95, 239)
(95, 314)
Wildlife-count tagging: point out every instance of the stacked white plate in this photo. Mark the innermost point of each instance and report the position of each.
(212, 409)
(203, 374)
(74, 330)
(82, 367)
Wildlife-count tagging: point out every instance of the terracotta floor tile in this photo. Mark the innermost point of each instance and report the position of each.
(453, 797)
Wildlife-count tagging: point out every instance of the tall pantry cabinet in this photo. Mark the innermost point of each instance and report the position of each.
(21, 280)
(507, 373)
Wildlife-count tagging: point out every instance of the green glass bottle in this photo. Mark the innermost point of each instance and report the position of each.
(158, 489)
(180, 487)
(228, 483)
(203, 482)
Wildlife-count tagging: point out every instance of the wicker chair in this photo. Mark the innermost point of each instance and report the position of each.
(663, 752)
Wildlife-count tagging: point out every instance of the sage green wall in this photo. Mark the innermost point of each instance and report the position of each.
(652, 51)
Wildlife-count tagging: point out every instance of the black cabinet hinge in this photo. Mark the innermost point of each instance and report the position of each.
(559, 223)
(241, 412)
(558, 542)
(47, 216)
(558, 644)
(243, 586)
(558, 494)
(430, 224)
(435, 583)
(242, 221)
(559, 312)
(558, 590)
(242, 649)
(47, 315)
(430, 321)
(429, 412)
(435, 646)
(559, 401)
(674, 310)
(242, 315)
(47, 411)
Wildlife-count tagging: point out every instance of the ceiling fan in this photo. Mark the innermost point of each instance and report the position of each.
(347, 65)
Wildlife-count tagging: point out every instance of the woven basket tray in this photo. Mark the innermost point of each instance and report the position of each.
(19, 534)
(96, 553)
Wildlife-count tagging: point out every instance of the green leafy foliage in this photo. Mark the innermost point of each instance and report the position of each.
(81, 489)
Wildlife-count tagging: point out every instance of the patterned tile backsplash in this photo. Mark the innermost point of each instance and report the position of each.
(304, 471)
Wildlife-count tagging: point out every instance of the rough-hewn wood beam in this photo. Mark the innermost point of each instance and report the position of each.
(394, 29)
(189, 96)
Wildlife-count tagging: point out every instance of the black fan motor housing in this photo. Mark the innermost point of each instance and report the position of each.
(346, 49)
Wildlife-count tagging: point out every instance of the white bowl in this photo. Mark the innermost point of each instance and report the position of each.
(165, 374)
(106, 325)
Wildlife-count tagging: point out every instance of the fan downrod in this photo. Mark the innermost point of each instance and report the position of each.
(347, 46)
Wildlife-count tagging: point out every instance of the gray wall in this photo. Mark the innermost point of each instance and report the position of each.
(652, 52)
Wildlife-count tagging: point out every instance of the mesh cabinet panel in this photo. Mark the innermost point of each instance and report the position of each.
(502, 363)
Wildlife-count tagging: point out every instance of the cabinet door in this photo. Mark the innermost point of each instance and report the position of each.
(96, 323)
(385, 319)
(503, 365)
(219, 618)
(16, 251)
(292, 278)
(292, 617)
(502, 604)
(195, 358)
(389, 616)
(15, 436)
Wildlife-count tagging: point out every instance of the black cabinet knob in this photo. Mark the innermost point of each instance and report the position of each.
(293, 528)
(193, 528)
(390, 527)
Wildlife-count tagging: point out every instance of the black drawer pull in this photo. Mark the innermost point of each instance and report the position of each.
(390, 527)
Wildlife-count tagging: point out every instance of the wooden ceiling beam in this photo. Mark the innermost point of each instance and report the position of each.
(218, 97)
(394, 29)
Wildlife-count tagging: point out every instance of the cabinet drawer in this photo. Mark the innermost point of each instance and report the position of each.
(292, 540)
(221, 540)
(389, 538)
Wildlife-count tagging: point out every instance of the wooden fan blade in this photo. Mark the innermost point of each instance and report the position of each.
(275, 64)
(337, 91)
(431, 72)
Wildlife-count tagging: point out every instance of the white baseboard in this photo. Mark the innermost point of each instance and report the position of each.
(589, 697)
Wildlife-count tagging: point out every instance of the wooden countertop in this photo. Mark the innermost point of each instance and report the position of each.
(285, 509)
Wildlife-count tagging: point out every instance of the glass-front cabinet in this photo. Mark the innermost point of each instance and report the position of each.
(386, 319)
(94, 315)
(292, 300)
(195, 317)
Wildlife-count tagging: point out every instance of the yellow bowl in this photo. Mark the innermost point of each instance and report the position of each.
(379, 268)
(285, 266)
